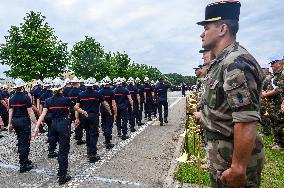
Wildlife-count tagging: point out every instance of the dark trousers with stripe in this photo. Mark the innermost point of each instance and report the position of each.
(121, 120)
(162, 104)
(133, 115)
(22, 127)
(60, 132)
(107, 125)
(149, 107)
(5, 116)
(91, 124)
(141, 109)
(51, 142)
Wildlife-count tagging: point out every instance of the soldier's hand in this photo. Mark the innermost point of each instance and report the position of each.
(282, 106)
(196, 115)
(263, 94)
(36, 132)
(234, 177)
(77, 122)
(110, 113)
(10, 128)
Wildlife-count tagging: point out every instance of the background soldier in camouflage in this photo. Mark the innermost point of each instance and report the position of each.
(266, 109)
(277, 96)
(230, 109)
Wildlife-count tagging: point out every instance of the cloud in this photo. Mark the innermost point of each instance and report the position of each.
(163, 34)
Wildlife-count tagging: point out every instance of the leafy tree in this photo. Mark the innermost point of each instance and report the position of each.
(179, 79)
(88, 59)
(33, 51)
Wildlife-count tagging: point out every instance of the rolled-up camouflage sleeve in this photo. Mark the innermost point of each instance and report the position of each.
(279, 84)
(242, 87)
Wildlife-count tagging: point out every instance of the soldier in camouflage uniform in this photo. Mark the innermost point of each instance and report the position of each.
(277, 96)
(266, 110)
(230, 106)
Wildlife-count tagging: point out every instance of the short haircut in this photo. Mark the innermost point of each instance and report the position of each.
(233, 25)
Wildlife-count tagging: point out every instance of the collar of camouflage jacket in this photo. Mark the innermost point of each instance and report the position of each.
(225, 52)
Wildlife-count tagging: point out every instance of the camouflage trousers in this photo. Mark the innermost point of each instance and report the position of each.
(266, 124)
(278, 129)
(219, 154)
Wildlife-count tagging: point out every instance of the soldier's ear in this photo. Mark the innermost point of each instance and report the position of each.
(223, 30)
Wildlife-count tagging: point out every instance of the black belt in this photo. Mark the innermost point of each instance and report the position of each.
(212, 136)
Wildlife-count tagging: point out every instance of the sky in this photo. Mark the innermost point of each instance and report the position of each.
(162, 34)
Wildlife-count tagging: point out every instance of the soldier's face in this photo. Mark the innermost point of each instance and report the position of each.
(277, 66)
(210, 36)
(207, 57)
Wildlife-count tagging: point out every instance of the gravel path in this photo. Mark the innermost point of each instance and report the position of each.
(141, 161)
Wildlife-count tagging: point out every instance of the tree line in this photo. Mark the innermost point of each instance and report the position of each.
(33, 51)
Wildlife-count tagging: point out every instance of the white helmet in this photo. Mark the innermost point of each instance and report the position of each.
(137, 80)
(39, 82)
(90, 82)
(47, 82)
(19, 83)
(114, 80)
(130, 79)
(58, 84)
(106, 80)
(146, 79)
(81, 80)
(123, 79)
(4, 86)
(67, 80)
(152, 82)
(119, 80)
(75, 80)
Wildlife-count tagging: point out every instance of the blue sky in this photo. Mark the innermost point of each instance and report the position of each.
(163, 34)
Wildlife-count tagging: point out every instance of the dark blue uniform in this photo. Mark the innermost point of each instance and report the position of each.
(60, 129)
(140, 89)
(148, 89)
(155, 105)
(73, 95)
(121, 100)
(161, 91)
(47, 119)
(106, 118)
(90, 101)
(36, 93)
(133, 114)
(21, 123)
(66, 91)
(3, 110)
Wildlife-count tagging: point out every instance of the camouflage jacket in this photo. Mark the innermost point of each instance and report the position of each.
(267, 83)
(278, 81)
(233, 86)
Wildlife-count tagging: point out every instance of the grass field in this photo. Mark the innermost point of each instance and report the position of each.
(272, 176)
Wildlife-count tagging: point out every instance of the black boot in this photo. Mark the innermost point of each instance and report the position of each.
(124, 137)
(26, 167)
(52, 155)
(161, 123)
(119, 133)
(80, 142)
(109, 145)
(63, 178)
(166, 120)
(94, 158)
(132, 129)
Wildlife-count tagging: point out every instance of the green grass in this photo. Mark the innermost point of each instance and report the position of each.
(272, 174)
(188, 173)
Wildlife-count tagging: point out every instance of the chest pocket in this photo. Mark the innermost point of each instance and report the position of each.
(237, 90)
(210, 93)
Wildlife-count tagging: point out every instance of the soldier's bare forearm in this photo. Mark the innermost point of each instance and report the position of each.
(244, 141)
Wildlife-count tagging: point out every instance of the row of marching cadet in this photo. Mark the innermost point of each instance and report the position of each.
(55, 105)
